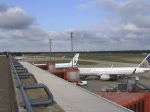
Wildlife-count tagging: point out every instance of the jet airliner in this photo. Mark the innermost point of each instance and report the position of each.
(73, 63)
(112, 72)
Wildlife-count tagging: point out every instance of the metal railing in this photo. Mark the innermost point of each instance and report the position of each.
(20, 73)
(40, 101)
(25, 98)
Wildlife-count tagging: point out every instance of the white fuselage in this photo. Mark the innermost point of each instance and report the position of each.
(60, 65)
(114, 71)
(39, 64)
(63, 65)
(19, 58)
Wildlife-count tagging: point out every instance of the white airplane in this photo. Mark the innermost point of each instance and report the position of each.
(19, 57)
(73, 62)
(112, 72)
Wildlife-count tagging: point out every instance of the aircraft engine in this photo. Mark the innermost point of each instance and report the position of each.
(105, 77)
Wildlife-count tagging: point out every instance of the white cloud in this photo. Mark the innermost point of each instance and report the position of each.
(131, 27)
(14, 17)
(126, 26)
(88, 5)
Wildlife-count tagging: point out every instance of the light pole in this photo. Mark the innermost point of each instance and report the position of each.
(50, 42)
(72, 42)
(72, 45)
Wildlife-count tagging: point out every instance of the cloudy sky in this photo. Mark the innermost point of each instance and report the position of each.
(97, 25)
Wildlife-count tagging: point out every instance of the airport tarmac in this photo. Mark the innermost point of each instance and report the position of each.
(96, 85)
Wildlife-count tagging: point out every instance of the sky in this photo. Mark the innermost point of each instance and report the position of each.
(97, 25)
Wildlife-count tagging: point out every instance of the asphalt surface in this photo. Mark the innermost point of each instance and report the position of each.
(95, 85)
(7, 102)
